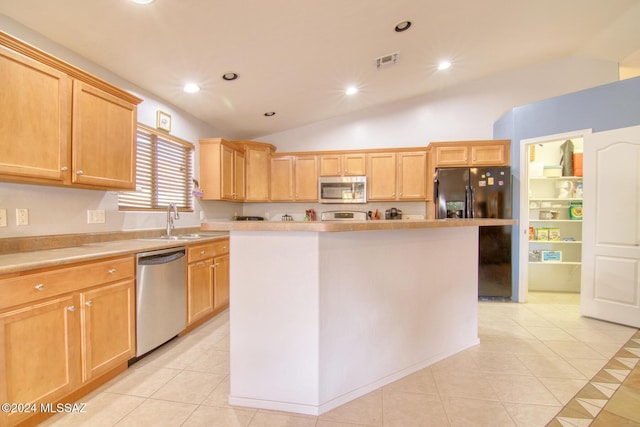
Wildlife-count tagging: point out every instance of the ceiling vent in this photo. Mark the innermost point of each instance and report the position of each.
(387, 61)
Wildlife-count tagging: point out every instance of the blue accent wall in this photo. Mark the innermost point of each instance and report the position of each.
(611, 106)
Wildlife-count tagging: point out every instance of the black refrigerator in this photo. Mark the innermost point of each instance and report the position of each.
(481, 193)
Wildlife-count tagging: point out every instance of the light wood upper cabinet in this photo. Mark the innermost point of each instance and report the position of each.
(294, 178)
(400, 175)
(489, 155)
(282, 184)
(381, 176)
(104, 132)
(61, 125)
(412, 176)
(222, 170)
(455, 155)
(347, 164)
(36, 110)
(470, 153)
(306, 179)
(257, 172)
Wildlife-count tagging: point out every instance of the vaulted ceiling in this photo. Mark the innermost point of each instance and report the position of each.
(296, 57)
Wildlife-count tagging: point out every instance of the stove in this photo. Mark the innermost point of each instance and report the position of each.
(248, 218)
(343, 216)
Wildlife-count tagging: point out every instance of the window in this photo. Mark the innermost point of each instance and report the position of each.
(164, 166)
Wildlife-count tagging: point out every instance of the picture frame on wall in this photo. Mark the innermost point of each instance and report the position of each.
(163, 121)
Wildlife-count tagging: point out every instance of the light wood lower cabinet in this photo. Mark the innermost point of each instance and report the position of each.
(207, 280)
(221, 281)
(40, 359)
(108, 327)
(81, 328)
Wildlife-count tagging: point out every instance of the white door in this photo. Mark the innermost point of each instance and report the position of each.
(610, 287)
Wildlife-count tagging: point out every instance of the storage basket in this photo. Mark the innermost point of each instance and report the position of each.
(552, 171)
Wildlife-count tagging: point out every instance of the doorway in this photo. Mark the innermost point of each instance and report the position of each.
(550, 245)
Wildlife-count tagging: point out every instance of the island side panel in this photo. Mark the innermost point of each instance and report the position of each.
(274, 320)
(391, 303)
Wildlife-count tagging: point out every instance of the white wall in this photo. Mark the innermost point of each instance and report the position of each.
(465, 112)
(56, 210)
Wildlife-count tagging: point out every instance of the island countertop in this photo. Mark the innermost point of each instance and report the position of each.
(338, 226)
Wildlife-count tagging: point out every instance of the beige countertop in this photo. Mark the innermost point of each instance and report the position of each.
(338, 226)
(24, 261)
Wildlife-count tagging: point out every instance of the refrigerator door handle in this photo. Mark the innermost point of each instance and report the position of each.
(472, 202)
(467, 202)
(435, 189)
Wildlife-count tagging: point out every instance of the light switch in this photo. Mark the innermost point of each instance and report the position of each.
(95, 216)
(3, 217)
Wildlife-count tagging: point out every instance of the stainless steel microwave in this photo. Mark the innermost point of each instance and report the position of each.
(347, 189)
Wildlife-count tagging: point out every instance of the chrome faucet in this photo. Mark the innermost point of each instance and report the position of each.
(170, 218)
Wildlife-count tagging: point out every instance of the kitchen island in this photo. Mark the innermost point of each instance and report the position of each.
(325, 312)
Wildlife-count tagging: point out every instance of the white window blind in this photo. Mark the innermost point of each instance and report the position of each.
(164, 172)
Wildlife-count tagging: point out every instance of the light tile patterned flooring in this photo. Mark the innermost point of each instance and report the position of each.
(532, 360)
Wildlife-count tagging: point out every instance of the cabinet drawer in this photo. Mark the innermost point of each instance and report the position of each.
(207, 250)
(37, 286)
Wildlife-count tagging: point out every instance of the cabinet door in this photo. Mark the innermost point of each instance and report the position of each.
(306, 179)
(381, 181)
(199, 289)
(36, 108)
(354, 164)
(221, 281)
(39, 358)
(455, 155)
(108, 328)
(330, 165)
(257, 175)
(412, 175)
(227, 172)
(238, 173)
(282, 178)
(103, 139)
(488, 155)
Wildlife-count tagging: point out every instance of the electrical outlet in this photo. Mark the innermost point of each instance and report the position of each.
(95, 217)
(22, 216)
(3, 217)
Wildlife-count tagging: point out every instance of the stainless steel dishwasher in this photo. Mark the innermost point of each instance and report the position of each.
(161, 297)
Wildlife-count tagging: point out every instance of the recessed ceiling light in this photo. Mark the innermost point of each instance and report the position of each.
(230, 76)
(270, 113)
(444, 65)
(351, 90)
(191, 88)
(143, 1)
(402, 26)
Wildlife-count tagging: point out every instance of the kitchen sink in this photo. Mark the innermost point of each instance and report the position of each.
(180, 237)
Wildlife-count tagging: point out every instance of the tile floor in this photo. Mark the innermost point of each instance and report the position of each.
(532, 360)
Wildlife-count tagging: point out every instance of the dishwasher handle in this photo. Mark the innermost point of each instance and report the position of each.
(163, 258)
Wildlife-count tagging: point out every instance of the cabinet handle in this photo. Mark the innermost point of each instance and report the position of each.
(64, 169)
(79, 172)
(71, 308)
(88, 303)
(112, 271)
(215, 265)
(202, 252)
(39, 287)
(224, 248)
